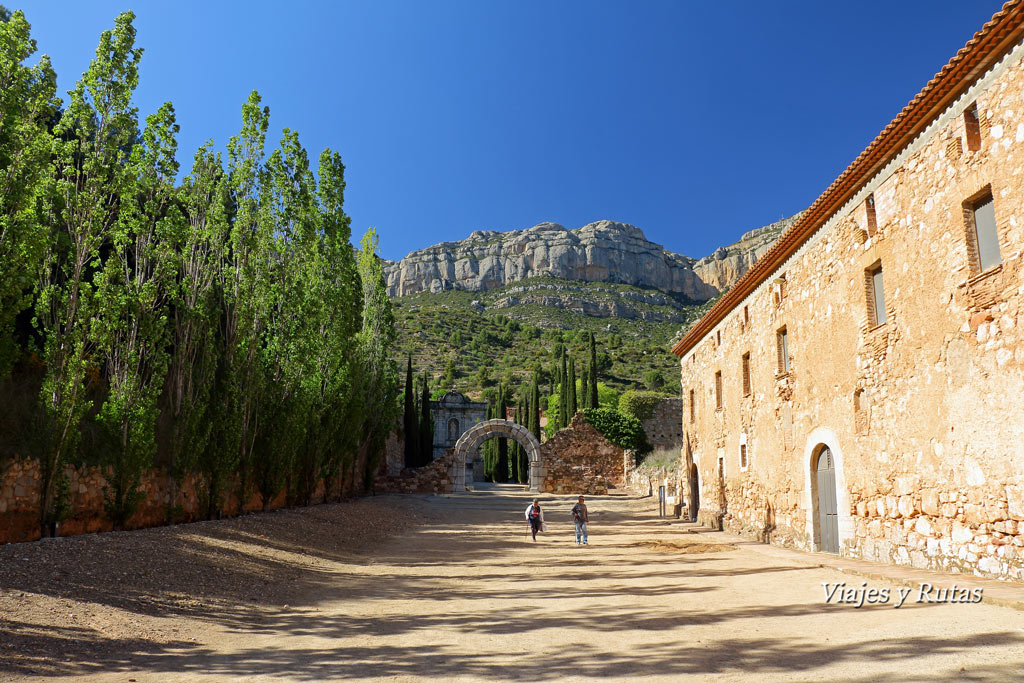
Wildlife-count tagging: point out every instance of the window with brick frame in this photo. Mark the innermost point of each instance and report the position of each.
(746, 316)
(743, 456)
(982, 232)
(972, 128)
(693, 408)
(718, 390)
(782, 347)
(718, 338)
(875, 295)
(869, 206)
(746, 374)
(779, 289)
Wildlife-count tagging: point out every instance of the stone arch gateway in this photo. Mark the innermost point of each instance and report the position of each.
(493, 429)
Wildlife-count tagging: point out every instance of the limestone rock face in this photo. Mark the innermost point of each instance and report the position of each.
(604, 251)
(728, 264)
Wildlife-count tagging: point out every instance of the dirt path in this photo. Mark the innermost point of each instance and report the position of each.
(450, 589)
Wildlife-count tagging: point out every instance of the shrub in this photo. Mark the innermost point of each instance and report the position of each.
(640, 404)
(625, 431)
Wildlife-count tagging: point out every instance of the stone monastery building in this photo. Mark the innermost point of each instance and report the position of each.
(861, 389)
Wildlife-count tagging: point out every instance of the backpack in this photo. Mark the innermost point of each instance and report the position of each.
(535, 513)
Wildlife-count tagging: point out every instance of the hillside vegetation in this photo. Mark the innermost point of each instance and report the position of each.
(471, 340)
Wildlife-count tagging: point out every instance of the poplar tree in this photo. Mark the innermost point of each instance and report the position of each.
(91, 177)
(563, 395)
(27, 103)
(129, 328)
(534, 425)
(594, 402)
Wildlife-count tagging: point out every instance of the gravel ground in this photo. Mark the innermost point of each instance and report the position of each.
(92, 602)
(452, 589)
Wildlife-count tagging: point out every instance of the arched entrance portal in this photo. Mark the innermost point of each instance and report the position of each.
(825, 501)
(470, 441)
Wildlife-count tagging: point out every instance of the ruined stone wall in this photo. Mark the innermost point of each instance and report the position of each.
(664, 429)
(924, 413)
(433, 478)
(578, 459)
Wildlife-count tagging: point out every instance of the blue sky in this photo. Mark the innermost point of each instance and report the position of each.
(695, 121)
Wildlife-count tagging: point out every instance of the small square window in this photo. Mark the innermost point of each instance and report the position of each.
(782, 346)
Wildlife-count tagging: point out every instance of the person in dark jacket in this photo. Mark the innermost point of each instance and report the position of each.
(580, 518)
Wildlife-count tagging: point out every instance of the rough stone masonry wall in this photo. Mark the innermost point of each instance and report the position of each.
(19, 501)
(924, 414)
(664, 428)
(578, 459)
(435, 477)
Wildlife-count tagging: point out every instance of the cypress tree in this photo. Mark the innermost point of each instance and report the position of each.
(426, 425)
(584, 388)
(572, 391)
(487, 448)
(535, 409)
(563, 396)
(501, 465)
(594, 402)
(410, 424)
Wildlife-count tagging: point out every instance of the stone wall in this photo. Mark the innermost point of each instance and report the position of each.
(921, 413)
(664, 428)
(578, 459)
(433, 478)
(165, 502)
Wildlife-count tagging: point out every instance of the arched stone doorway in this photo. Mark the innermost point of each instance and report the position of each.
(493, 429)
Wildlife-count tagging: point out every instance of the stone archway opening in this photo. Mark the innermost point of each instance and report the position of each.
(471, 439)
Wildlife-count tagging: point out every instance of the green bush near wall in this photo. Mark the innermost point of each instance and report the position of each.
(640, 404)
(625, 431)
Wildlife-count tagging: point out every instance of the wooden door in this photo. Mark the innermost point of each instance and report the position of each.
(828, 509)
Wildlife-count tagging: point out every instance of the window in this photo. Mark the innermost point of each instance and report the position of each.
(746, 316)
(693, 410)
(876, 295)
(743, 456)
(718, 338)
(782, 344)
(718, 390)
(869, 204)
(746, 374)
(779, 289)
(972, 128)
(982, 237)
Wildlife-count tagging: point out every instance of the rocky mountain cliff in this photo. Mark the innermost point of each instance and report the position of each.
(605, 251)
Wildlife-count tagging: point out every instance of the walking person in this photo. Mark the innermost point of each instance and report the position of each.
(535, 517)
(580, 519)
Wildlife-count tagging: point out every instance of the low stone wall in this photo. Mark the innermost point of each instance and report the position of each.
(578, 459)
(433, 478)
(664, 429)
(961, 531)
(164, 502)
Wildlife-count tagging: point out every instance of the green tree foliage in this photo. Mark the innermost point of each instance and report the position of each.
(227, 318)
(27, 103)
(640, 404)
(625, 431)
(410, 422)
(426, 428)
(654, 380)
(501, 464)
(592, 401)
(91, 176)
(571, 405)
